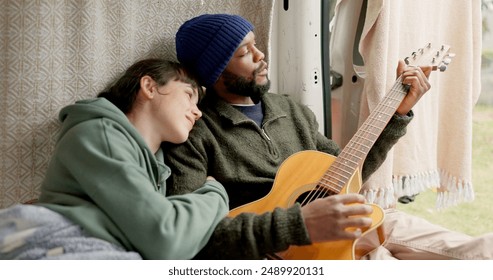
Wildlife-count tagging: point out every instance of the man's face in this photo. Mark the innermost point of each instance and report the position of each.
(246, 73)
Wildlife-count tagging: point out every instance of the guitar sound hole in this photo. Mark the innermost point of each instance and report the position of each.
(311, 195)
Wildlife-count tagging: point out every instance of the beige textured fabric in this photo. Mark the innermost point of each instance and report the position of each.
(56, 52)
(413, 238)
(436, 152)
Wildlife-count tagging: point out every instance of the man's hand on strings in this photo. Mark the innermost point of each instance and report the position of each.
(329, 218)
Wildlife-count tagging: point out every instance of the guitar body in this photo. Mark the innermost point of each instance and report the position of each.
(299, 175)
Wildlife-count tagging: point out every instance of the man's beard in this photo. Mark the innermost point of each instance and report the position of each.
(241, 86)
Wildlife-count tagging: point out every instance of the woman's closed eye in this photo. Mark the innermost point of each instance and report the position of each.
(193, 96)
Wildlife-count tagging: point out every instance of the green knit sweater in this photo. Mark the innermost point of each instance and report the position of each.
(245, 157)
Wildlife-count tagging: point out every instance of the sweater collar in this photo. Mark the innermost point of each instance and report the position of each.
(272, 110)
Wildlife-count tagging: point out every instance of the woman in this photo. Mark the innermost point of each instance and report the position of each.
(106, 177)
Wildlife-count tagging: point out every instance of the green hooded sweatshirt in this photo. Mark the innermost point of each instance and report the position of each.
(104, 177)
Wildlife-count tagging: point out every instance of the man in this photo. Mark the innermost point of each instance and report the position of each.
(246, 133)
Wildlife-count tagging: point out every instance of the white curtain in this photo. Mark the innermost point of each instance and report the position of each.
(56, 52)
(436, 151)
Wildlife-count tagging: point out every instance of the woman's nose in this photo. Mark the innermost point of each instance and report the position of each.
(196, 111)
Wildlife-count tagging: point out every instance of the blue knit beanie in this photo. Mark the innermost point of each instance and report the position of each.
(206, 43)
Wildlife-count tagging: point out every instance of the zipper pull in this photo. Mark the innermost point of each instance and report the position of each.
(265, 134)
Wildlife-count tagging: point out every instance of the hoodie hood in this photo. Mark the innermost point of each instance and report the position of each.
(96, 108)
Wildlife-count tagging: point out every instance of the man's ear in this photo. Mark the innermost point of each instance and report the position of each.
(147, 85)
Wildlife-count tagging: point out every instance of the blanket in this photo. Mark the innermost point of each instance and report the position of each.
(30, 232)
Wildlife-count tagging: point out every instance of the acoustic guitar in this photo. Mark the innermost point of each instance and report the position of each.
(309, 175)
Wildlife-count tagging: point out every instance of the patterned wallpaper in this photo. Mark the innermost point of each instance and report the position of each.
(56, 52)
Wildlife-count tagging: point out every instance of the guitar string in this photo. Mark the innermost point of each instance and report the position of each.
(325, 186)
(396, 94)
(367, 134)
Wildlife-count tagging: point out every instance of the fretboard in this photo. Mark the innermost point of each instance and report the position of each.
(356, 150)
(354, 153)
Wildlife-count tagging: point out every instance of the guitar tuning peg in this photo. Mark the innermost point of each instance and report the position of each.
(406, 60)
(447, 60)
(442, 67)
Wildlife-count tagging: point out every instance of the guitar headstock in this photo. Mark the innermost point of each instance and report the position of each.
(438, 59)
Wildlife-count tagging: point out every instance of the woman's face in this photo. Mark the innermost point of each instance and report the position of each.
(176, 108)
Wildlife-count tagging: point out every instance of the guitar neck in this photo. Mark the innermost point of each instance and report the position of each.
(356, 150)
